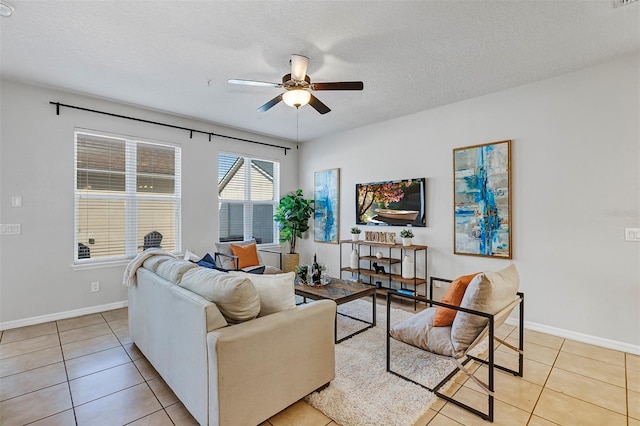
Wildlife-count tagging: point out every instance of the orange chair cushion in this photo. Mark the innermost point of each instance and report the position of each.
(247, 255)
(453, 296)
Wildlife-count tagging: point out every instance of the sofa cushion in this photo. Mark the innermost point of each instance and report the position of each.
(488, 292)
(247, 255)
(173, 270)
(235, 296)
(276, 292)
(153, 262)
(418, 330)
(453, 296)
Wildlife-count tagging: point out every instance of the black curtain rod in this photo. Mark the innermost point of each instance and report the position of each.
(157, 123)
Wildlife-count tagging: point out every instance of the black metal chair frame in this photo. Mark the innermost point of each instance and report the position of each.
(460, 366)
(236, 260)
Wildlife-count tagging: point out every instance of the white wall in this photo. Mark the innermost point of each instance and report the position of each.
(36, 158)
(576, 186)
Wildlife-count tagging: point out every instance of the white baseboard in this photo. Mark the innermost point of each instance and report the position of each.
(62, 315)
(579, 337)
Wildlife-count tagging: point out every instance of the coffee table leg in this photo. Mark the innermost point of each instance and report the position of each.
(374, 309)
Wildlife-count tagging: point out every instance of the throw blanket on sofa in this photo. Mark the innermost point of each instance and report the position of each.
(129, 277)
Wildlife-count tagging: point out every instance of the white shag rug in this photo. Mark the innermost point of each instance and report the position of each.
(363, 393)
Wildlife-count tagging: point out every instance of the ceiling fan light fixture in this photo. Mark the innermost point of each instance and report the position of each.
(6, 9)
(296, 98)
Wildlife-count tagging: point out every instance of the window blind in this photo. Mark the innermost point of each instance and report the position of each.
(127, 194)
(248, 191)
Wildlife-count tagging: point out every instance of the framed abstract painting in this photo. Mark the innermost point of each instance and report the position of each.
(326, 218)
(482, 200)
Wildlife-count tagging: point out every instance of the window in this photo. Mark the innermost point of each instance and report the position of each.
(248, 194)
(127, 197)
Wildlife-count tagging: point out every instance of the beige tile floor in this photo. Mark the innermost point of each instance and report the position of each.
(86, 371)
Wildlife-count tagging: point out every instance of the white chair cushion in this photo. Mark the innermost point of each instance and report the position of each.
(488, 292)
(225, 248)
(419, 331)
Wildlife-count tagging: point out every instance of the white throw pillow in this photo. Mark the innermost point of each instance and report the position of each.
(276, 291)
(235, 297)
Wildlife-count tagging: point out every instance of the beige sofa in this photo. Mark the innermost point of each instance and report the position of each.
(225, 374)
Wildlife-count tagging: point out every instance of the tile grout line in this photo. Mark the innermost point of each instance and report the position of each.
(544, 385)
(163, 408)
(66, 373)
(626, 390)
(580, 399)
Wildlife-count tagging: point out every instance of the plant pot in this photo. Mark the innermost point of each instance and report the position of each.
(290, 261)
(406, 241)
(355, 237)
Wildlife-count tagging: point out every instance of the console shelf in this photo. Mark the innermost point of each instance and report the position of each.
(391, 260)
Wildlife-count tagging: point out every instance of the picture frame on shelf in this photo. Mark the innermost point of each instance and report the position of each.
(482, 200)
(326, 218)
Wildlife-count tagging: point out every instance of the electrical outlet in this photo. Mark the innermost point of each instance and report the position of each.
(438, 284)
(95, 286)
(632, 234)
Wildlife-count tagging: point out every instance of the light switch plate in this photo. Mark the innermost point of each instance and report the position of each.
(10, 229)
(632, 234)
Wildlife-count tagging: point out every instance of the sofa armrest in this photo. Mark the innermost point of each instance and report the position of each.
(272, 361)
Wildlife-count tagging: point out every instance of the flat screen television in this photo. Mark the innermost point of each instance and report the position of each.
(391, 203)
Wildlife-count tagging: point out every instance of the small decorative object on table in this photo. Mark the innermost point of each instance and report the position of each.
(379, 255)
(406, 235)
(355, 233)
(302, 272)
(316, 273)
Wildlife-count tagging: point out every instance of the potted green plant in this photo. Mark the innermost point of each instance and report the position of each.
(292, 216)
(355, 233)
(406, 235)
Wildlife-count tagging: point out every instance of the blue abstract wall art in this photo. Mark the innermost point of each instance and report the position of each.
(482, 200)
(326, 218)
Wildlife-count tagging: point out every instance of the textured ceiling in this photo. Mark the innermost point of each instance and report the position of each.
(176, 56)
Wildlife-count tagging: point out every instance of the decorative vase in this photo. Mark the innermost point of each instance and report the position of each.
(355, 237)
(290, 261)
(407, 267)
(406, 241)
(379, 255)
(354, 260)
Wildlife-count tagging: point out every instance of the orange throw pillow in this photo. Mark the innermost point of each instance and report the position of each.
(247, 255)
(453, 296)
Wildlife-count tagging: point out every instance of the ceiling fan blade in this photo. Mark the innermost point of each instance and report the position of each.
(253, 83)
(299, 65)
(342, 85)
(270, 104)
(319, 106)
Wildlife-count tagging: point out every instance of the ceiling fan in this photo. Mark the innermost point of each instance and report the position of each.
(297, 87)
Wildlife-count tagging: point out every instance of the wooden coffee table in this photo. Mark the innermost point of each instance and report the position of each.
(340, 291)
